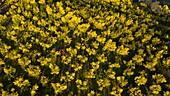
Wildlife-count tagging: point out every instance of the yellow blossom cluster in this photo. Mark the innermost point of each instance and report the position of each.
(81, 47)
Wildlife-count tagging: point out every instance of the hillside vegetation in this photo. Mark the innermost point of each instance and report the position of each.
(84, 47)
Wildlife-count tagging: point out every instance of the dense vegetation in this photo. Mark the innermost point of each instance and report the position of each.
(84, 47)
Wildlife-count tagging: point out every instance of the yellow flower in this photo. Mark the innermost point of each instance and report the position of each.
(62, 78)
(71, 76)
(128, 22)
(155, 89)
(33, 70)
(49, 10)
(45, 46)
(140, 51)
(44, 61)
(52, 28)
(4, 93)
(143, 4)
(91, 51)
(95, 44)
(83, 27)
(121, 79)
(166, 93)
(95, 65)
(135, 92)
(159, 78)
(12, 89)
(122, 19)
(27, 7)
(122, 51)
(58, 88)
(35, 18)
(166, 62)
(9, 70)
(44, 80)
(76, 20)
(83, 47)
(32, 2)
(36, 10)
(110, 46)
(99, 25)
(1, 84)
(110, 73)
(128, 72)
(102, 83)
(59, 4)
(34, 88)
(33, 92)
(54, 69)
(61, 10)
(84, 59)
(24, 61)
(165, 7)
(101, 39)
(106, 33)
(14, 38)
(41, 1)
(146, 38)
(116, 91)
(23, 48)
(102, 58)
(92, 93)
(92, 33)
(20, 82)
(63, 19)
(1, 62)
(138, 58)
(67, 40)
(78, 82)
(78, 67)
(90, 74)
(140, 80)
(68, 9)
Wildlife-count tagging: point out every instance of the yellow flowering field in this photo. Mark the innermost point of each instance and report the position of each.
(83, 48)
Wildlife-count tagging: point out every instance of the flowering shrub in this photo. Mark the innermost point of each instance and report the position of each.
(82, 47)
